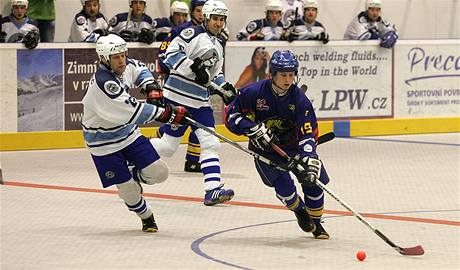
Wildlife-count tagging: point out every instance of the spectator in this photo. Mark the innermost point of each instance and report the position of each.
(370, 25)
(89, 24)
(268, 28)
(43, 12)
(17, 27)
(134, 25)
(178, 15)
(307, 27)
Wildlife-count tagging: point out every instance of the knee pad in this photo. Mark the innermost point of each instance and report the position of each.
(167, 145)
(129, 192)
(210, 144)
(155, 173)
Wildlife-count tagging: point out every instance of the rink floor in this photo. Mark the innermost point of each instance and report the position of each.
(55, 214)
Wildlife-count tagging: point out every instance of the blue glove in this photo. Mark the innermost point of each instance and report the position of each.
(389, 40)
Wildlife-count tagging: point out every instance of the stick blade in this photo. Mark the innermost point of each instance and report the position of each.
(412, 251)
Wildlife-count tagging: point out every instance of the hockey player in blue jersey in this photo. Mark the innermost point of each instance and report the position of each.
(110, 126)
(195, 59)
(276, 110)
(370, 25)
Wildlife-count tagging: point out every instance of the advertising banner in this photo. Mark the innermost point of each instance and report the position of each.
(342, 81)
(80, 65)
(40, 91)
(427, 77)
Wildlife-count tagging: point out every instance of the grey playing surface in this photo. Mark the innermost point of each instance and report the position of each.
(55, 214)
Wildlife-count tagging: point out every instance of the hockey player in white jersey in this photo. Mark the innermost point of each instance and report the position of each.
(89, 24)
(178, 15)
(306, 27)
(110, 126)
(370, 25)
(268, 28)
(195, 59)
(17, 27)
(134, 25)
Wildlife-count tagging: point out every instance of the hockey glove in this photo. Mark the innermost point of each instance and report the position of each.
(227, 92)
(128, 36)
(310, 172)
(240, 36)
(261, 137)
(154, 94)
(324, 37)
(258, 36)
(201, 72)
(174, 115)
(389, 40)
(146, 36)
(30, 40)
(2, 36)
(101, 32)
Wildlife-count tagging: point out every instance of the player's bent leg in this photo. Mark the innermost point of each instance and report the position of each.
(314, 200)
(155, 173)
(210, 167)
(130, 193)
(167, 145)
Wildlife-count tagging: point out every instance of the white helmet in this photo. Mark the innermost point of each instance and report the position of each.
(214, 7)
(310, 4)
(130, 2)
(110, 44)
(84, 1)
(274, 5)
(19, 3)
(373, 4)
(178, 7)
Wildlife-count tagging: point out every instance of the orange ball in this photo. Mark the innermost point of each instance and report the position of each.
(361, 255)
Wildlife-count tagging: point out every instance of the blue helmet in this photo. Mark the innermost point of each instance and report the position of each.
(194, 3)
(283, 61)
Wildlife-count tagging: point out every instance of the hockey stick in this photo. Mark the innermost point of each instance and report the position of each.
(411, 251)
(322, 139)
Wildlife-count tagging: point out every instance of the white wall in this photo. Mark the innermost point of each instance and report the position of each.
(414, 19)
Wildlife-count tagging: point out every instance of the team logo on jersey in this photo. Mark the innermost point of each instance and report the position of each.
(251, 27)
(113, 21)
(81, 20)
(109, 174)
(187, 33)
(261, 105)
(291, 107)
(307, 148)
(112, 88)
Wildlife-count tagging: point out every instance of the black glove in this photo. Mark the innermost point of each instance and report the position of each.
(261, 137)
(146, 36)
(201, 72)
(2, 36)
(324, 37)
(240, 36)
(101, 32)
(127, 35)
(154, 94)
(174, 115)
(31, 39)
(310, 172)
(227, 92)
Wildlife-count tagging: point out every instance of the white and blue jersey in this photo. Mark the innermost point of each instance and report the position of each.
(162, 26)
(110, 114)
(362, 28)
(306, 31)
(193, 42)
(119, 21)
(263, 27)
(82, 29)
(15, 32)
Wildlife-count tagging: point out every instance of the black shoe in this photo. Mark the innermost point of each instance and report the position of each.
(320, 232)
(192, 166)
(149, 225)
(304, 220)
